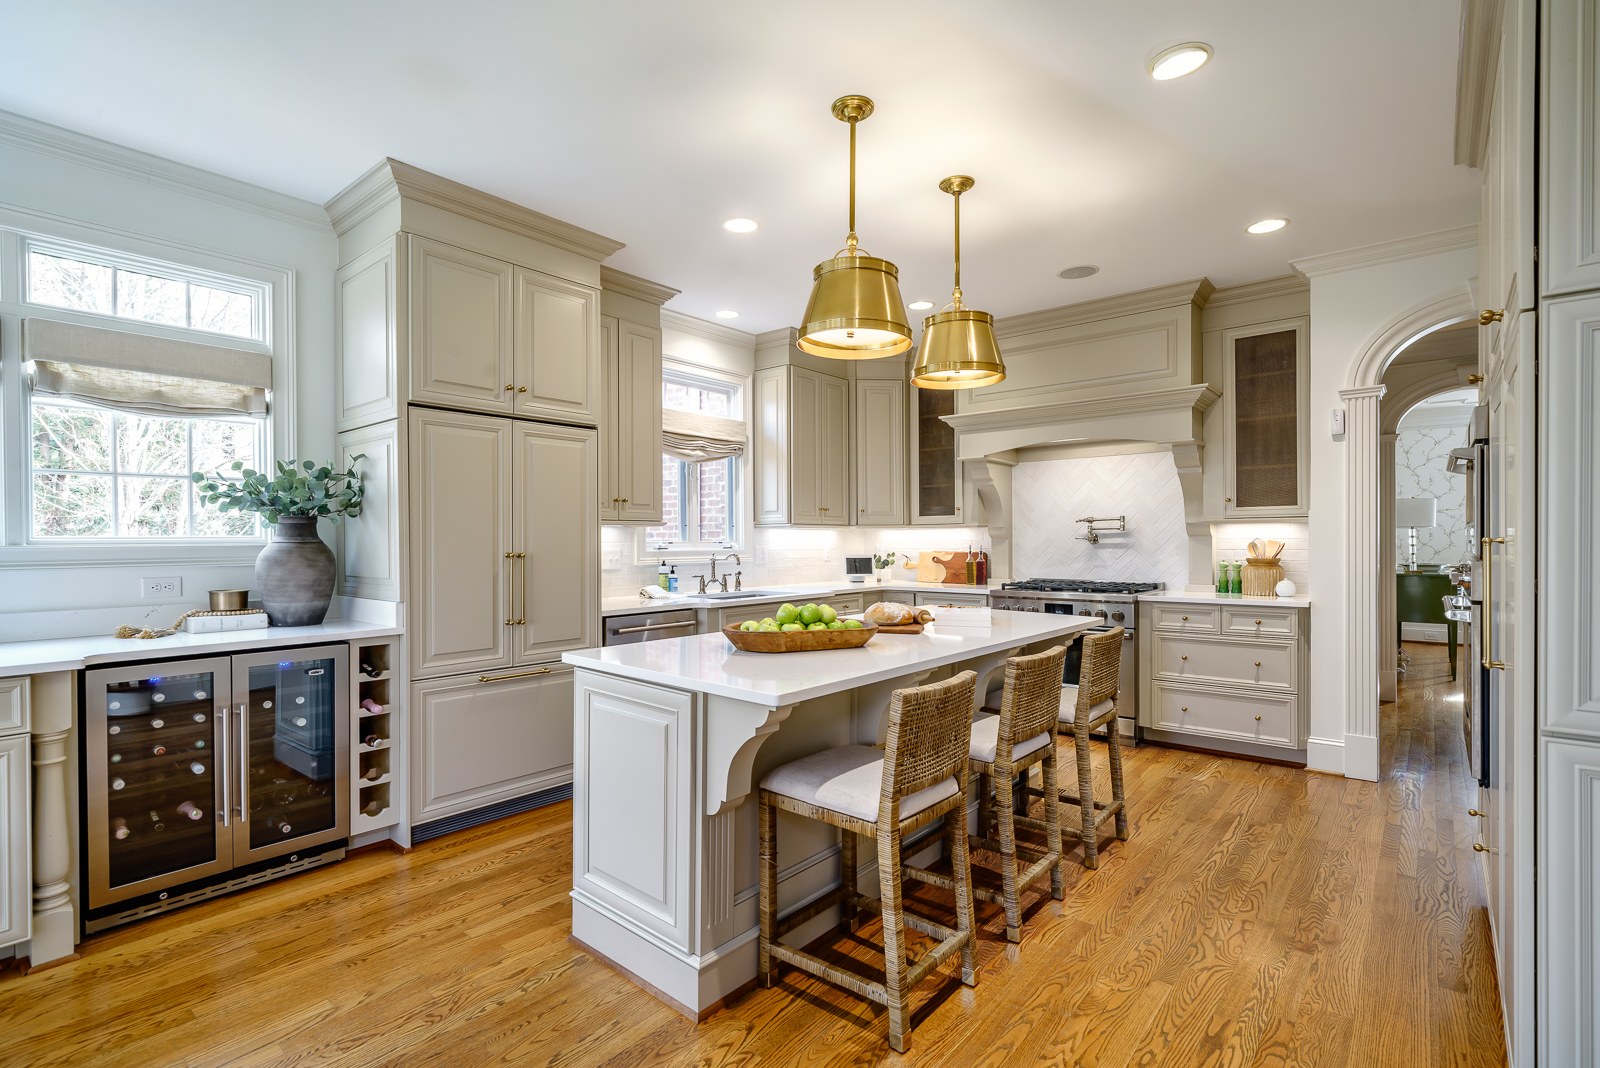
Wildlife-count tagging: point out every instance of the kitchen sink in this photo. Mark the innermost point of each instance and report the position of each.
(734, 594)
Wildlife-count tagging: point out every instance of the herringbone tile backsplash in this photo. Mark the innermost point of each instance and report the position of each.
(1049, 495)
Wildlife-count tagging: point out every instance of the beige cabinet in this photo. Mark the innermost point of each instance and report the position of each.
(460, 328)
(631, 457)
(962, 600)
(802, 460)
(367, 328)
(16, 879)
(478, 742)
(369, 546)
(880, 443)
(1266, 398)
(556, 369)
(555, 529)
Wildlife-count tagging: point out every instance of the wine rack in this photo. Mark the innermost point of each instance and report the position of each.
(374, 759)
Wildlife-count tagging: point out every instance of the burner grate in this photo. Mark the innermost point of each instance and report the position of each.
(1046, 585)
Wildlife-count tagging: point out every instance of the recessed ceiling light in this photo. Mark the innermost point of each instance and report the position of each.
(740, 226)
(1083, 270)
(1179, 60)
(1266, 226)
(920, 305)
(727, 314)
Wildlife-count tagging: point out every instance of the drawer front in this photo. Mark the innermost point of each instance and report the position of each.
(14, 705)
(1194, 618)
(848, 604)
(1269, 666)
(1261, 622)
(968, 600)
(735, 616)
(1270, 720)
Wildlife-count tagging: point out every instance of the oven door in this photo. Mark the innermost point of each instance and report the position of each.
(1127, 679)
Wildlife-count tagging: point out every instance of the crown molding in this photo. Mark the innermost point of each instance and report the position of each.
(32, 135)
(783, 335)
(631, 285)
(392, 179)
(1196, 291)
(1477, 65)
(688, 324)
(1405, 248)
(1286, 285)
(1182, 399)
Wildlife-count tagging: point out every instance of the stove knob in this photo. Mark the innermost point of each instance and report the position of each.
(1101, 612)
(1117, 616)
(1083, 611)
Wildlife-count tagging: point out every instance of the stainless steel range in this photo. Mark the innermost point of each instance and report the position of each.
(1115, 603)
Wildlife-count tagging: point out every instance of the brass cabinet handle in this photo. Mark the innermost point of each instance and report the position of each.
(1489, 316)
(523, 559)
(1488, 600)
(1479, 847)
(511, 585)
(514, 675)
(1473, 812)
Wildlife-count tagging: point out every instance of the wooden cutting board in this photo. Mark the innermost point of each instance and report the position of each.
(910, 628)
(944, 566)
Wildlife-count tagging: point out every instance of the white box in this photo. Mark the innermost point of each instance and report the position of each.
(958, 615)
(209, 624)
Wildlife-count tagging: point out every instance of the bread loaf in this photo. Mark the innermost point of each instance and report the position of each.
(897, 615)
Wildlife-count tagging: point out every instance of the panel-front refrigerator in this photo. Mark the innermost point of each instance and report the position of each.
(203, 776)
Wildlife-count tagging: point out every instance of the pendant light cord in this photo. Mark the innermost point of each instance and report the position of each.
(850, 241)
(957, 292)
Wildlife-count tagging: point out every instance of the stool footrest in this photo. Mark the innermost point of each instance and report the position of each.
(817, 966)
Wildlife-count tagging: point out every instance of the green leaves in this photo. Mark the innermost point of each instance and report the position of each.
(297, 488)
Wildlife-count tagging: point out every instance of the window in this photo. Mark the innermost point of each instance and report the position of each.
(96, 473)
(700, 502)
(143, 294)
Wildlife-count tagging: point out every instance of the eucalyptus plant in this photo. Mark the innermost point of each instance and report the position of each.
(300, 489)
(881, 562)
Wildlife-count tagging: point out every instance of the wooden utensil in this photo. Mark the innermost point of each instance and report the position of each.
(797, 641)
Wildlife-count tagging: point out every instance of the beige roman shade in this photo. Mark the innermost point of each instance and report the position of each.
(696, 438)
(142, 374)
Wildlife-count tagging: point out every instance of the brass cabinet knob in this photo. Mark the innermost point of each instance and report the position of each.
(1479, 847)
(1473, 812)
(508, 387)
(624, 500)
(1227, 500)
(1185, 708)
(1258, 663)
(522, 389)
(1490, 316)
(1186, 618)
(1258, 622)
(1183, 658)
(1473, 380)
(1258, 719)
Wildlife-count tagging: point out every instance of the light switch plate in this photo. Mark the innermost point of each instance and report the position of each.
(611, 559)
(1336, 422)
(759, 557)
(167, 589)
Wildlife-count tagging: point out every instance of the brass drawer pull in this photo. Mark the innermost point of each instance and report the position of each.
(1488, 316)
(1473, 812)
(1479, 847)
(1488, 603)
(517, 675)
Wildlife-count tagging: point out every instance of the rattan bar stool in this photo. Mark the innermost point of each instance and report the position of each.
(1004, 746)
(919, 776)
(1094, 704)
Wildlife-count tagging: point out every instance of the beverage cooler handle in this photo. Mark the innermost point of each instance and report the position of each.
(221, 763)
(244, 763)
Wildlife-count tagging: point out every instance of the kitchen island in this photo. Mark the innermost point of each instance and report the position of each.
(671, 738)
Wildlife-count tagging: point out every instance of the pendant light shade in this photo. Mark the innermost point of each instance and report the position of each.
(855, 311)
(959, 350)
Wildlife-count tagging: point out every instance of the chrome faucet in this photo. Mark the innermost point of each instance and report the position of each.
(714, 567)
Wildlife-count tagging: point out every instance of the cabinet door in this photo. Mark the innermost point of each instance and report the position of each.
(818, 472)
(936, 482)
(771, 443)
(1266, 391)
(556, 355)
(16, 898)
(833, 451)
(475, 743)
(608, 419)
(1258, 717)
(556, 531)
(638, 423)
(460, 333)
(366, 335)
(461, 566)
(881, 453)
(369, 545)
(1569, 880)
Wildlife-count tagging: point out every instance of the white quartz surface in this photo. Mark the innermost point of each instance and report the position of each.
(617, 606)
(708, 663)
(70, 654)
(1213, 597)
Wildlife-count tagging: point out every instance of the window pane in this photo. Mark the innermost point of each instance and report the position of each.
(150, 507)
(72, 438)
(71, 506)
(152, 446)
(218, 444)
(715, 502)
(155, 300)
(686, 398)
(672, 528)
(210, 523)
(221, 311)
(69, 283)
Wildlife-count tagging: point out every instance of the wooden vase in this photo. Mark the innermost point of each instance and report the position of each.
(1260, 578)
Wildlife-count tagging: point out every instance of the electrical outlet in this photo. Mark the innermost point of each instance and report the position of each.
(167, 589)
(827, 556)
(760, 556)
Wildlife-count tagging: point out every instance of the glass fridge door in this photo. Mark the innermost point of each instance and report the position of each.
(293, 750)
(155, 777)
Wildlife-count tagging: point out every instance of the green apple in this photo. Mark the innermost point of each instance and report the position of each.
(769, 619)
(852, 624)
(810, 614)
(828, 613)
(819, 625)
(837, 624)
(769, 627)
(786, 613)
(794, 626)
(749, 624)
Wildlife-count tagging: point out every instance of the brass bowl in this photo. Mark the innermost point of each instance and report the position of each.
(230, 600)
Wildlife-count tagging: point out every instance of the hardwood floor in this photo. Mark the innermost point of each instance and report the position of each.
(1258, 915)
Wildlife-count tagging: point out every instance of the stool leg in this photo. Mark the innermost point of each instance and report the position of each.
(1052, 817)
(985, 806)
(898, 996)
(768, 818)
(961, 864)
(1116, 780)
(847, 879)
(1080, 741)
(1008, 851)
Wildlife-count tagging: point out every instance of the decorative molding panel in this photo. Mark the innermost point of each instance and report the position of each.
(1362, 560)
(1405, 248)
(1195, 292)
(1283, 286)
(688, 324)
(1569, 884)
(631, 285)
(1476, 68)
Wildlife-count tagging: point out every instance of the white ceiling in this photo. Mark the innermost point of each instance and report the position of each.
(652, 121)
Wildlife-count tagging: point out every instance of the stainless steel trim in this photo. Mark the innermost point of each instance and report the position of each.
(658, 626)
(244, 762)
(220, 761)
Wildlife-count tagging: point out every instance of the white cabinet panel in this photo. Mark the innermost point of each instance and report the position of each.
(1569, 884)
(1571, 256)
(366, 336)
(461, 572)
(475, 743)
(1270, 666)
(557, 530)
(880, 453)
(14, 710)
(1269, 719)
(1261, 622)
(556, 350)
(972, 600)
(16, 898)
(1195, 618)
(818, 449)
(1266, 400)
(771, 443)
(638, 423)
(460, 328)
(369, 545)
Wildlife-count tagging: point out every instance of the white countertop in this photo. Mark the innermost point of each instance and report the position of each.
(618, 606)
(708, 663)
(1212, 596)
(70, 654)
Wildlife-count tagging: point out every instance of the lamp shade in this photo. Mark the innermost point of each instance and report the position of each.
(855, 312)
(1416, 512)
(958, 351)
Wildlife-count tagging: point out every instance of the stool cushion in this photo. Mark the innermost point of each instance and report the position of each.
(1069, 704)
(848, 779)
(986, 739)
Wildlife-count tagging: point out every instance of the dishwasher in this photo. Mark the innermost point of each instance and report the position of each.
(648, 626)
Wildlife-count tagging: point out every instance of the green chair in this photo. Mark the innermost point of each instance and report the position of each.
(1419, 598)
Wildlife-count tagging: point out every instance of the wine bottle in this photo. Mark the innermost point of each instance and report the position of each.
(115, 729)
(371, 706)
(188, 809)
(160, 750)
(198, 768)
(117, 784)
(116, 758)
(155, 821)
(119, 827)
(371, 739)
(158, 723)
(283, 828)
(369, 670)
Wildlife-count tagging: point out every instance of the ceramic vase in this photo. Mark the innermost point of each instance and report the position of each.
(294, 574)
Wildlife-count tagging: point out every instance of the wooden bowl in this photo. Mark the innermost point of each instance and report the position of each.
(798, 641)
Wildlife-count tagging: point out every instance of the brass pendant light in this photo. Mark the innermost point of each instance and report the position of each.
(958, 346)
(855, 312)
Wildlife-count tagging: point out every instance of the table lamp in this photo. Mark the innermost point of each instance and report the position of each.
(1414, 512)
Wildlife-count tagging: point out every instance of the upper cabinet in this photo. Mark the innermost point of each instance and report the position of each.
(1267, 397)
(934, 470)
(880, 453)
(630, 416)
(802, 437)
(460, 328)
(555, 335)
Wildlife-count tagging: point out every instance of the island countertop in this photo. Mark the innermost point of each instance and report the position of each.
(708, 663)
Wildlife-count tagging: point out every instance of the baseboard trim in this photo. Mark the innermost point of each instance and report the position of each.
(656, 992)
(423, 832)
(388, 844)
(27, 967)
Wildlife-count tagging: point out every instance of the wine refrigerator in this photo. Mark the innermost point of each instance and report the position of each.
(208, 775)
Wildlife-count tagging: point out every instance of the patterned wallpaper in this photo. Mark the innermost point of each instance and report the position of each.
(1048, 495)
(1419, 457)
